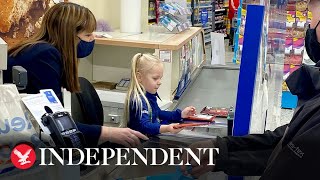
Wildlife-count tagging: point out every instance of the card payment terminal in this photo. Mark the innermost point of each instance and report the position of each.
(64, 131)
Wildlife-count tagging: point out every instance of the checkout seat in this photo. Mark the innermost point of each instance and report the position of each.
(86, 106)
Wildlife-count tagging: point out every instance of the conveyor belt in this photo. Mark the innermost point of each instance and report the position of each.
(215, 86)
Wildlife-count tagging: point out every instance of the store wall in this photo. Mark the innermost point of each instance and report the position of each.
(109, 10)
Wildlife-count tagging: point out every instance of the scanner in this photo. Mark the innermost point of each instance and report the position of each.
(19, 77)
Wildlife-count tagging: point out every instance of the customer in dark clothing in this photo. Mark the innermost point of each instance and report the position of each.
(51, 59)
(289, 152)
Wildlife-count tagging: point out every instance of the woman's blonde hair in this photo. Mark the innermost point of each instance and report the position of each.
(60, 26)
(142, 64)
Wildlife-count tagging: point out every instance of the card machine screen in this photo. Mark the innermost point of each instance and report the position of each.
(64, 123)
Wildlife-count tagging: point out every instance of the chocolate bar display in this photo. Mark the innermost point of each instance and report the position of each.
(215, 111)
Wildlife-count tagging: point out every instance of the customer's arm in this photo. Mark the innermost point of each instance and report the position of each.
(246, 155)
(242, 163)
(267, 140)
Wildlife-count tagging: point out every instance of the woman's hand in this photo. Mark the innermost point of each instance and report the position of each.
(188, 111)
(124, 136)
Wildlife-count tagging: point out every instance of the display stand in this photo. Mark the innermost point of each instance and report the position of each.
(173, 16)
(296, 21)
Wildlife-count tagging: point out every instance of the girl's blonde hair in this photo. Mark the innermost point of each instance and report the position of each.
(60, 26)
(142, 64)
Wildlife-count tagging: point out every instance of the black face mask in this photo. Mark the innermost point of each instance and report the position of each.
(312, 45)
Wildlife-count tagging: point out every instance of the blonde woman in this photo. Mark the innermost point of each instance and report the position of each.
(51, 59)
(141, 106)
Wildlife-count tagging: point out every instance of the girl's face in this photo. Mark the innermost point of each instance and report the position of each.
(151, 80)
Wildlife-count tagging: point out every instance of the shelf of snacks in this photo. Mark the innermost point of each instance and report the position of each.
(297, 19)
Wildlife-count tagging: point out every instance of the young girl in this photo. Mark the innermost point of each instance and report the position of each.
(141, 106)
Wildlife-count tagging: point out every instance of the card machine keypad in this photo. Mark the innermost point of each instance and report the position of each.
(64, 131)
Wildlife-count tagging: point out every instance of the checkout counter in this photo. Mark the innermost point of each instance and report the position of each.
(172, 49)
(109, 63)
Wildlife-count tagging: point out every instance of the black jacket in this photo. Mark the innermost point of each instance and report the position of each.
(289, 152)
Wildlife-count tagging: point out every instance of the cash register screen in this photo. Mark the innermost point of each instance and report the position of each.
(64, 123)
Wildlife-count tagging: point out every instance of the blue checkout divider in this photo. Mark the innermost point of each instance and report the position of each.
(248, 69)
(289, 100)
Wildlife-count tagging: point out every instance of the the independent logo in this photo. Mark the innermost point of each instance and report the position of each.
(23, 156)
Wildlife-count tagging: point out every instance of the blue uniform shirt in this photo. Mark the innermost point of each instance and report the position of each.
(148, 122)
(44, 66)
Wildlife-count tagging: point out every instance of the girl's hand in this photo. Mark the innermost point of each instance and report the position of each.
(188, 111)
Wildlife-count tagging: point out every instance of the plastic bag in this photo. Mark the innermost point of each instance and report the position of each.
(218, 49)
(14, 125)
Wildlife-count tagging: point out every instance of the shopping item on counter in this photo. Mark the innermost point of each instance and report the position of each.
(201, 117)
(215, 111)
(189, 125)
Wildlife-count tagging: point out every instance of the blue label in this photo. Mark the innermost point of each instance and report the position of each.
(50, 97)
(204, 17)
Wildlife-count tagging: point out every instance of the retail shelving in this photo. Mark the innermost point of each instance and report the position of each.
(216, 16)
(297, 18)
(152, 12)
